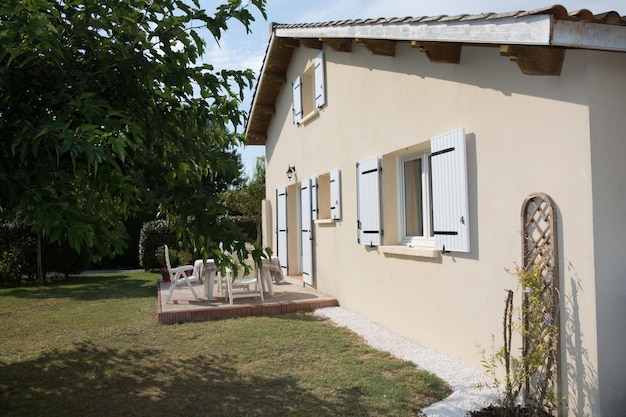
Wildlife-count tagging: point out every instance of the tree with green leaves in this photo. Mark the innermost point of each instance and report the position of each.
(106, 107)
(245, 200)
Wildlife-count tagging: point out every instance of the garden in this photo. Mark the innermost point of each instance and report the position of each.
(90, 345)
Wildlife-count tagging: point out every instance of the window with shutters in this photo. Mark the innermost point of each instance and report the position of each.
(329, 196)
(308, 85)
(426, 198)
(309, 91)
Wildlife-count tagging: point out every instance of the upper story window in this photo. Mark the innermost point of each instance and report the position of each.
(309, 91)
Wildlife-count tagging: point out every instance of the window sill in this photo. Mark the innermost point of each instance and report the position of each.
(416, 252)
(306, 119)
(326, 221)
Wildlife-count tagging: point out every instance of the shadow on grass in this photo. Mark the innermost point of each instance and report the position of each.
(95, 381)
(90, 287)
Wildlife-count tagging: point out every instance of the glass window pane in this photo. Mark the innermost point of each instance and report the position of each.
(414, 225)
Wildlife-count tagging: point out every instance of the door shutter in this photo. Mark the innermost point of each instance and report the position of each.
(307, 233)
(335, 194)
(281, 228)
(450, 197)
(368, 206)
(297, 100)
(320, 81)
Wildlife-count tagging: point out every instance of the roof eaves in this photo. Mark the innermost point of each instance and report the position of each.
(530, 30)
(585, 35)
(549, 26)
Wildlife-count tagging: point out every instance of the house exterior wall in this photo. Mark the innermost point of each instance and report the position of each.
(525, 134)
(607, 86)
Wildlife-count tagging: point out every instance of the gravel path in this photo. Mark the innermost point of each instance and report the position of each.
(461, 377)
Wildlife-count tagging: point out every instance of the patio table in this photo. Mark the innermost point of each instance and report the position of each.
(270, 269)
(209, 271)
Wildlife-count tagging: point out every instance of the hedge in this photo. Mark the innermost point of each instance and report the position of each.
(18, 255)
(156, 233)
(153, 235)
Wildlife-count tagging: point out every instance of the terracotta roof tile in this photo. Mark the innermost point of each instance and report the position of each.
(558, 11)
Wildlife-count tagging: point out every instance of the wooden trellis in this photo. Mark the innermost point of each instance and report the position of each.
(540, 251)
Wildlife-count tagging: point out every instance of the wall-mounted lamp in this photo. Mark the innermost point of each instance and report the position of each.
(290, 171)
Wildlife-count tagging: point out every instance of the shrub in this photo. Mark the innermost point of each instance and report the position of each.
(18, 252)
(61, 257)
(18, 255)
(177, 257)
(156, 233)
(153, 235)
(249, 226)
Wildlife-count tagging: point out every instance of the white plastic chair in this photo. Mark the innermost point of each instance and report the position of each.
(244, 283)
(179, 276)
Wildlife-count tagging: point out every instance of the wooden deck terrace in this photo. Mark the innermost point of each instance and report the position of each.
(290, 296)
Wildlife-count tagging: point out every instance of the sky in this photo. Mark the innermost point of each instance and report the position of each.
(238, 50)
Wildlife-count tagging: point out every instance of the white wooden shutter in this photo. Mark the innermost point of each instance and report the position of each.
(281, 227)
(368, 206)
(320, 81)
(297, 100)
(314, 203)
(335, 194)
(450, 196)
(307, 233)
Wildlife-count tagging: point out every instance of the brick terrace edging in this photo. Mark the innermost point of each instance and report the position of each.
(231, 311)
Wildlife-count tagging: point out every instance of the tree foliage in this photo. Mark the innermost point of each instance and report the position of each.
(106, 108)
(245, 200)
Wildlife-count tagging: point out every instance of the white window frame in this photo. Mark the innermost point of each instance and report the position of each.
(427, 239)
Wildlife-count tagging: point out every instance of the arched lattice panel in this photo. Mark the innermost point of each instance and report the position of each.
(540, 254)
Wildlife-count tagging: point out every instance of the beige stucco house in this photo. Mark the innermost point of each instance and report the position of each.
(413, 145)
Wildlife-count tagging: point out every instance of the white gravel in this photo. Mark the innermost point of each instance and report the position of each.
(461, 377)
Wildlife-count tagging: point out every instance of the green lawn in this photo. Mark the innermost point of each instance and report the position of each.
(91, 346)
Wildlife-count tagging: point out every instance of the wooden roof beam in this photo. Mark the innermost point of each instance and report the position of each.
(442, 52)
(379, 46)
(536, 60)
(339, 44)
